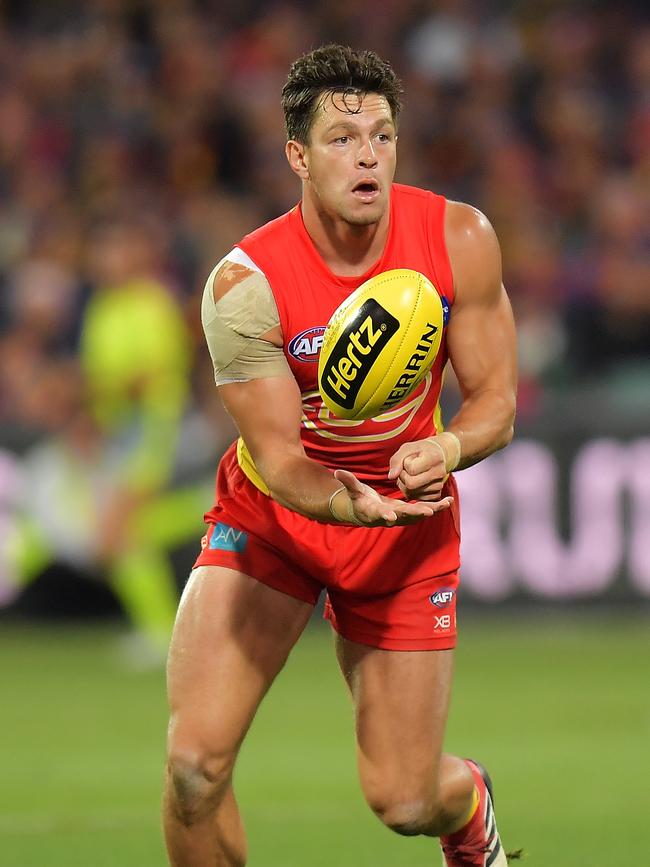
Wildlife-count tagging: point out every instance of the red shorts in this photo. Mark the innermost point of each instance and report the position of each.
(388, 587)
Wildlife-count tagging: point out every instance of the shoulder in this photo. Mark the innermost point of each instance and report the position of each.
(237, 297)
(272, 229)
(467, 228)
(237, 286)
(473, 249)
(235, 267)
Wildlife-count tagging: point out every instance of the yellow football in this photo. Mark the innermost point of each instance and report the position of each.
(379, 344)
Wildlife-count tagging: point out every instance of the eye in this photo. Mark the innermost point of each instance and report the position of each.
(342, 139)
(384, 137)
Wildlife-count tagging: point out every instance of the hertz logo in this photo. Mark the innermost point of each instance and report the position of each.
(356, 351)
(380, 344)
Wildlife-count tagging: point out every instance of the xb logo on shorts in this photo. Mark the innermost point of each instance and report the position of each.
(306, 346)
(443, 622)
(441, 598)
(225, 538)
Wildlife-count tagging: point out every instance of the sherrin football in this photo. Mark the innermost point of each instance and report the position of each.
(379, 344)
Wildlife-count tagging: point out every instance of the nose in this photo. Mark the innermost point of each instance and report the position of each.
(366, 157)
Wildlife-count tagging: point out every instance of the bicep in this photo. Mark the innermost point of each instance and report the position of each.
(481, 333)
(482, 344)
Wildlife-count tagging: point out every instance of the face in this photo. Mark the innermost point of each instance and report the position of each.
(118, 254)
(348, 164)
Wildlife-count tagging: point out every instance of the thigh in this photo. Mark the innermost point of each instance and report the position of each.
(401, 701)
(231, 638)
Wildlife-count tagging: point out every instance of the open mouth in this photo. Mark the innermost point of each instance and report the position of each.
(366, 190)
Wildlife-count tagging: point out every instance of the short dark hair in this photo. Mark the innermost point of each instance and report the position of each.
(334, 69)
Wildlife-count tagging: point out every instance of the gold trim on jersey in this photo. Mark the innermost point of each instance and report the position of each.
(437, 412)
(248, 467)
(324, 416)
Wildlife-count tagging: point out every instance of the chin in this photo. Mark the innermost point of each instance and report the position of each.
(364, 216)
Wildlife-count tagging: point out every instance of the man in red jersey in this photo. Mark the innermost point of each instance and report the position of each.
(306, 501)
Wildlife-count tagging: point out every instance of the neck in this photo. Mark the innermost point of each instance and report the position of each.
(347, 250)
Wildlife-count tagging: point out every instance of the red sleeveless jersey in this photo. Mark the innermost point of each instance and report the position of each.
(307, 293)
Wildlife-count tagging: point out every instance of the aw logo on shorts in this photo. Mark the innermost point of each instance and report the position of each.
(306, 346)
(442, 598)
(226, 538)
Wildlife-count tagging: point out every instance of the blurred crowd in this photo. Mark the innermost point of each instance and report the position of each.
(140, 138)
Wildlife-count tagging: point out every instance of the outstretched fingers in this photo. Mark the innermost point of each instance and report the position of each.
(441, 505)
(374, 510)
(398, 512)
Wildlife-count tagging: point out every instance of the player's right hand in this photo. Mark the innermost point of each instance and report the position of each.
(372, 510)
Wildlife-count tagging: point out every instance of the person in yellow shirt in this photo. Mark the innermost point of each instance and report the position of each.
(135, 354)
(99, 489)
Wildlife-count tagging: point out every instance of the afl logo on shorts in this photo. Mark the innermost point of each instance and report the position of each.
(306, 346)
(441, 598)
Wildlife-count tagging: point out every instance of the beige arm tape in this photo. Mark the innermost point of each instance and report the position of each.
(233, 325)
(346, 516)
(450, 450)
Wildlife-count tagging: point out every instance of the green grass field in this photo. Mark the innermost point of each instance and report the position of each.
(558, 710)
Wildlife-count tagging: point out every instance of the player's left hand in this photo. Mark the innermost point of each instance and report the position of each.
(420, 469)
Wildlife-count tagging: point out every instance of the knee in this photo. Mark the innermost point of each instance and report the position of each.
(407, 818)
(197, 781)
(408, 813)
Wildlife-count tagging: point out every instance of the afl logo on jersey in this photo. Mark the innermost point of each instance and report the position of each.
(306, 346)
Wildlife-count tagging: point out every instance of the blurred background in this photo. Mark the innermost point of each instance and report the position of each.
(140, 139)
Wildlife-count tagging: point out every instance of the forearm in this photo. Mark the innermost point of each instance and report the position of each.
(303, 485)
(483, 425)
(267, 412)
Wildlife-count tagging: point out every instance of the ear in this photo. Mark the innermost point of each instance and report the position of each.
(297, 158)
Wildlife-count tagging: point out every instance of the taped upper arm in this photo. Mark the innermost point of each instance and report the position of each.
(238, 307)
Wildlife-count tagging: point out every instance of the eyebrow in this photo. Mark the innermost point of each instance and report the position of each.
(349, 125)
